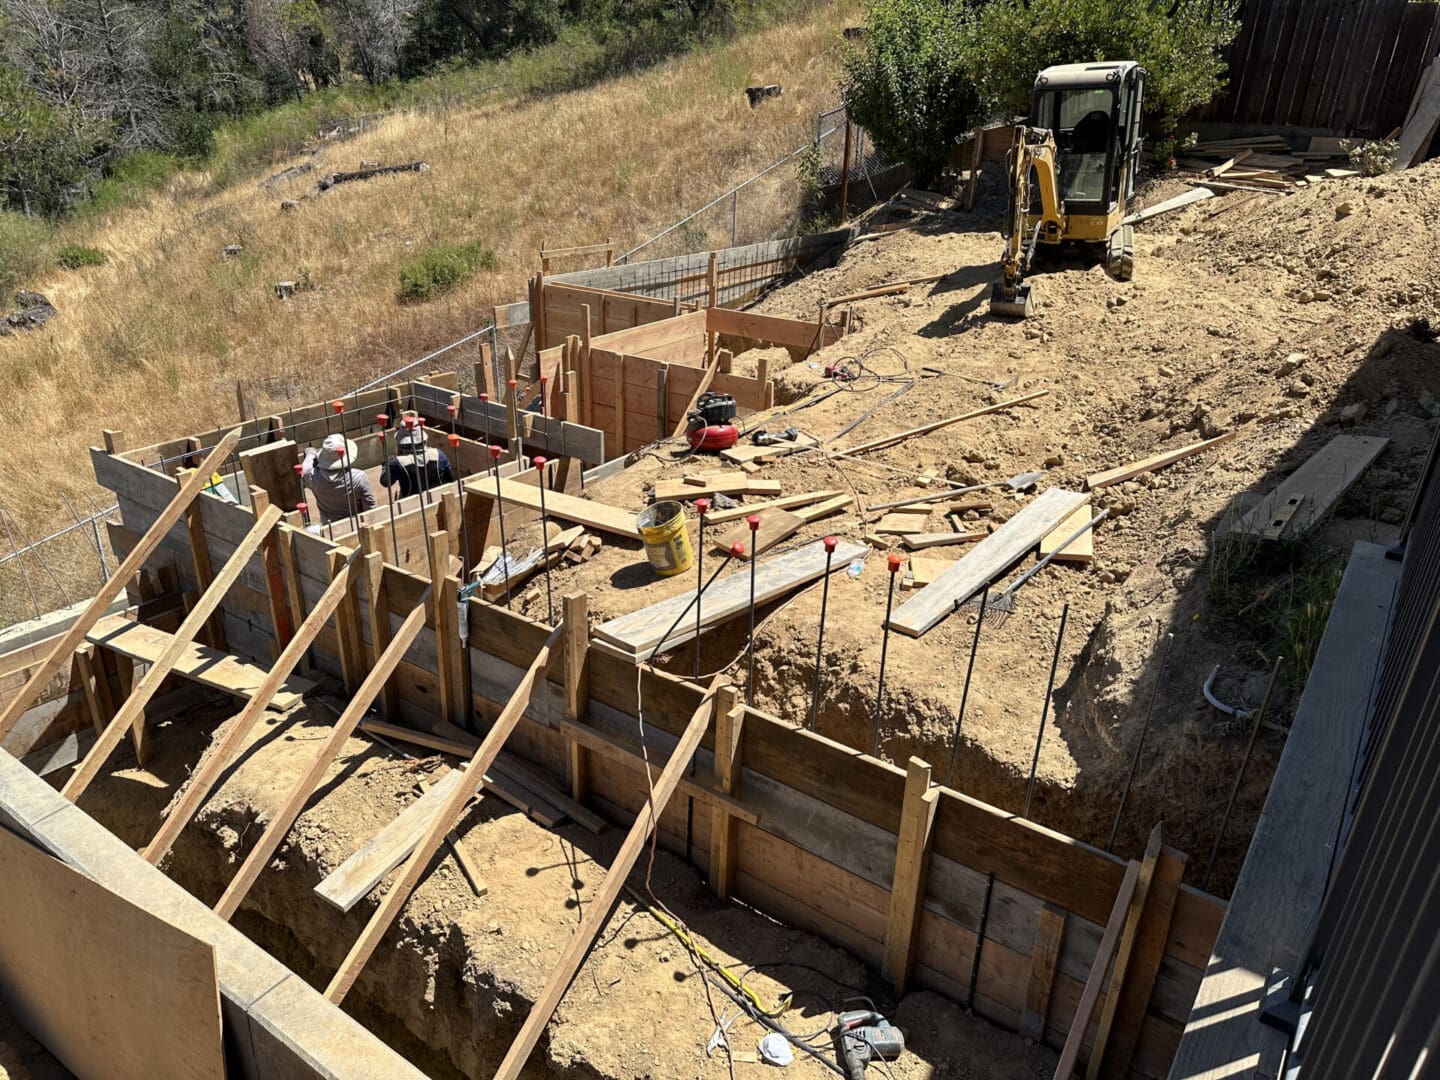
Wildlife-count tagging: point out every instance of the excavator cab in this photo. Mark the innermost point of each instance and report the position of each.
(1072, 172)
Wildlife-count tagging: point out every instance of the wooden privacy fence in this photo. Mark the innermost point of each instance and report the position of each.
(935, 888)
(1344, 67)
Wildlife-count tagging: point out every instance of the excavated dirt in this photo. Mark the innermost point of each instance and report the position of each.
(452, 981)
(1287, 319)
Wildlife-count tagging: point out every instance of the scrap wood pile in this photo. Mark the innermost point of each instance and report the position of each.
(1267, 162)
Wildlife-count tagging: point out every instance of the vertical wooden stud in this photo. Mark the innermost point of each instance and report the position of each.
(587, 378)
(576, 616)
(729, 738)
(280, 624)
(214, 635)
(294, 594)
(447, 631)
(619, 406)
(378, 601)
(347, 624)
(84, 661)
(513, 405)
(662, 401)
(912, 870)
(114, 441)
(712, 280)
(1044, 960)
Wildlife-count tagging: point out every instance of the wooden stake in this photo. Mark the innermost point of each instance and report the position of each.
(377, 599)
(84, 661)
(729, 739)
(597, 913)
(275, 597)
(912, 870)
(133, 711)
(284, 818)
(219, 758)
(347, 622)
(443, 822)
(576, 615)
(66, 646)
(587, 375)
(214, 631)
(1044, 961)
(447, 628)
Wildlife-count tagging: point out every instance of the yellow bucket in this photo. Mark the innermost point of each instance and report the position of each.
(667, 543)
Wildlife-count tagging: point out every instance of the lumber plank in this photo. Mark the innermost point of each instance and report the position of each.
(773, 328)
(728, 762)
(1145, 960)
(924, 571)
(921, 541)
(1157, 461)
(204, 777)
(597, 913)
(342, 729)
(736, 483)
(788, 502)
(990, 558)
(1305, 497)
(594, 515)
(1176, 202)
(1099, 968)
(419, 861)
(108, 988)
(912, 868)
(900, 523)
(132, 712)
(741, 455)
(833, 505)
(1081, 549)
(640, 632)
(576, 614)
(357, 876)
(705, 380)
(111, 588)
(1123, 953)
(1044, 961)
(775, 526)
(936, 425)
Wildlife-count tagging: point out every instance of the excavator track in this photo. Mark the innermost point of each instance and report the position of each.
(1120, 254)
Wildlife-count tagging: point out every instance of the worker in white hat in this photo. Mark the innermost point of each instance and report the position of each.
(340, 489)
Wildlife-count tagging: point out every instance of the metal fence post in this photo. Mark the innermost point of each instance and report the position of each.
(734, 217)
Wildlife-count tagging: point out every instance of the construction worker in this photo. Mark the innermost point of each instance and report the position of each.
(339, 488)
(416, 467)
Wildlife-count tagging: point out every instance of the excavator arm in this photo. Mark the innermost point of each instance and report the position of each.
(1033, 153)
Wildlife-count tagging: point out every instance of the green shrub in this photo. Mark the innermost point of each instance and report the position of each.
(441, 269)
(1178, 42)
(129, 179)
(26, 249)
(1373, 158)
(908, 81)
(74, 256)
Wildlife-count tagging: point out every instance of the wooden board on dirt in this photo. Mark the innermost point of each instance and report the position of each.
(207, 666)
(595, 515)
(1306, 496)
(775, 526)
(640, 632)
(108, 988)
(737, 483)
(924, 571)
(989, 559)
(1079, 550)
(742, 454)
(921, 541)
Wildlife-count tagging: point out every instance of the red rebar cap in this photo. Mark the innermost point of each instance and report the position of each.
(539, 461)
(454, 439)
(513, 384)
(409, 421)
(450, 409)
(895, 561)
(702, 505)
(299, 470)
(338, 406)
(382, 419)
(830, 542)
(484, 398)
(495, 451)
(420, 420)
(301, 507)
(753, 521)
(737, 549)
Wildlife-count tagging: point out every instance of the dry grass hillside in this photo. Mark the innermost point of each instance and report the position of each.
(153, 342)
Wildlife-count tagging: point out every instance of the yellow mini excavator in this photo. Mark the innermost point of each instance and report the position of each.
(1072, 173)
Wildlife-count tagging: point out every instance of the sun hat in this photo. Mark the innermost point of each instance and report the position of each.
(336, 453)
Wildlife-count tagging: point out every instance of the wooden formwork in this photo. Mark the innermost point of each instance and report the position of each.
(935, 888)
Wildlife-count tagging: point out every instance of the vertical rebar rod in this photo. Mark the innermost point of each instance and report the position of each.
(1240, 775)
(965, 690)
(754, 522)
(979, 942)
(1140, 746)
(460, 509)
(829, 543)
(1045, 710)
(495, 453)
(893, 562)
(383, 419)
(734, 217)
(345, 459)
(413, 426)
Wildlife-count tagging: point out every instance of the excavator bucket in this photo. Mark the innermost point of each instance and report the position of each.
(1020, 306)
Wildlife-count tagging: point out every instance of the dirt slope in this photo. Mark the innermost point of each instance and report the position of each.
(1262, 315)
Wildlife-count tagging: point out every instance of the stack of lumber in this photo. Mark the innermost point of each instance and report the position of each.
(1264, 162)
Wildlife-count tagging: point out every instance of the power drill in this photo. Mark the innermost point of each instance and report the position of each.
(862, 1036)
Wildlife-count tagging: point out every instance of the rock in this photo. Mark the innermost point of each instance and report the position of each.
(1033, 333)
(1305, 296)
(229, 251)
(1291, 364)
(1121, 507)
(1351, 414)
(1105, 577)
(1298, 389)
(289, 205)
(1344, 210)
(284, 290)
(35, 311)
(1167, 371)
(1307, 378)
(1055, 460)
(1322, 294)
(1428, 404)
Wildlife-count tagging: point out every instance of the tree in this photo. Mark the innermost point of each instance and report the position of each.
(1177, 41)
(44, 151)
(908, 80)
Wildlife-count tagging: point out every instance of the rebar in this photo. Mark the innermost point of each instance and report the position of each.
(544, 542)
(965, 690)
(383, 419)
(737, 549)
(979, 942)
(753, 521)
(893, 562)
(1140, 746)
(829, 543)
(701, 505)
(1045, 709)
(1240, 775)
